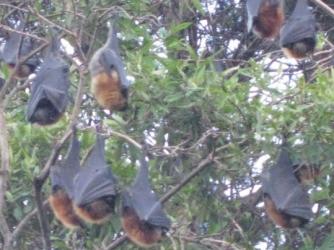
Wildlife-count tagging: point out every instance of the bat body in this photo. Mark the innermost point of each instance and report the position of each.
(298, 35)
(61, 205)
(306, 173)
(109, 84)
(15, 48)
(141, 233)
(265, 17)
(95, 187)
(280, 218)
(49, 93)
(286, 202)
(62, 176)
(143, 218)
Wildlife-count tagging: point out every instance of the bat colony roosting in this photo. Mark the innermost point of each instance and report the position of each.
(88, 193)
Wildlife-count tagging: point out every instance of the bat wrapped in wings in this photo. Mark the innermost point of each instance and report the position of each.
(62, 175)
(265, 17)
(16, 47)
(49, 91)
(286, 202)
(143, 218)
(298, 35)
(95, 187)
(109, 84)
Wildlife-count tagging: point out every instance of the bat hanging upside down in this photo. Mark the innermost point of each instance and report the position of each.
(265, 17)
(49, 90)
(143, 218)
(286, 202)
(298, 35)
(62, 175)
(95, 187)
(109, 84)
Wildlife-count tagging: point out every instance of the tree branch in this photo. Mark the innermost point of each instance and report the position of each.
(4, 147)
(325, 7)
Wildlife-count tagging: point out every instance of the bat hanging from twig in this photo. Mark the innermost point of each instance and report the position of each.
(49, 91)
(143, 218)
(62, 175)
(286, 202)
(298, 35)
(109, 84)
(265, 17)
(95, 187)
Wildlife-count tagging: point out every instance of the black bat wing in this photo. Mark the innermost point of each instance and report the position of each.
(285, 190)
(300, 25)
(51, 83)
(95, 179)
(15, 47)
(141, 197)
(63, 173)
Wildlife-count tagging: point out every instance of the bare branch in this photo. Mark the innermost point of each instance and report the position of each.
(325, 7)
(5, 231)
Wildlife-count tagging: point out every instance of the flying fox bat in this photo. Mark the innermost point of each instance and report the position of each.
(265, 17)
(306, 173)
(95, 187)
(62, 175)
(143, 218)
(15, 48)
(286, 202)
(49, 93)
(298, 35)
(108, 78)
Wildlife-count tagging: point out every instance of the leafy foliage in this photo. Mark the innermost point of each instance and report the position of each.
(201, 85)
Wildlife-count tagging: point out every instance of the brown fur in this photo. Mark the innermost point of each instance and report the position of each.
(96, 212)
(280, 218)
(107, 91)
(298, 50)
(306, 174)
(269, 20)
(61, 206)
(140, 232)
(23, 71)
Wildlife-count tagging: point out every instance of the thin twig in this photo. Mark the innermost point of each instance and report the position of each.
(5, 27)
(325, 7)
(125, 137)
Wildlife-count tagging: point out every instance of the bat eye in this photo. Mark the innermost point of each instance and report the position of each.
(112, 66)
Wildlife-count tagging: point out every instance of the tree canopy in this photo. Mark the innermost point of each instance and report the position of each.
(213, 103)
